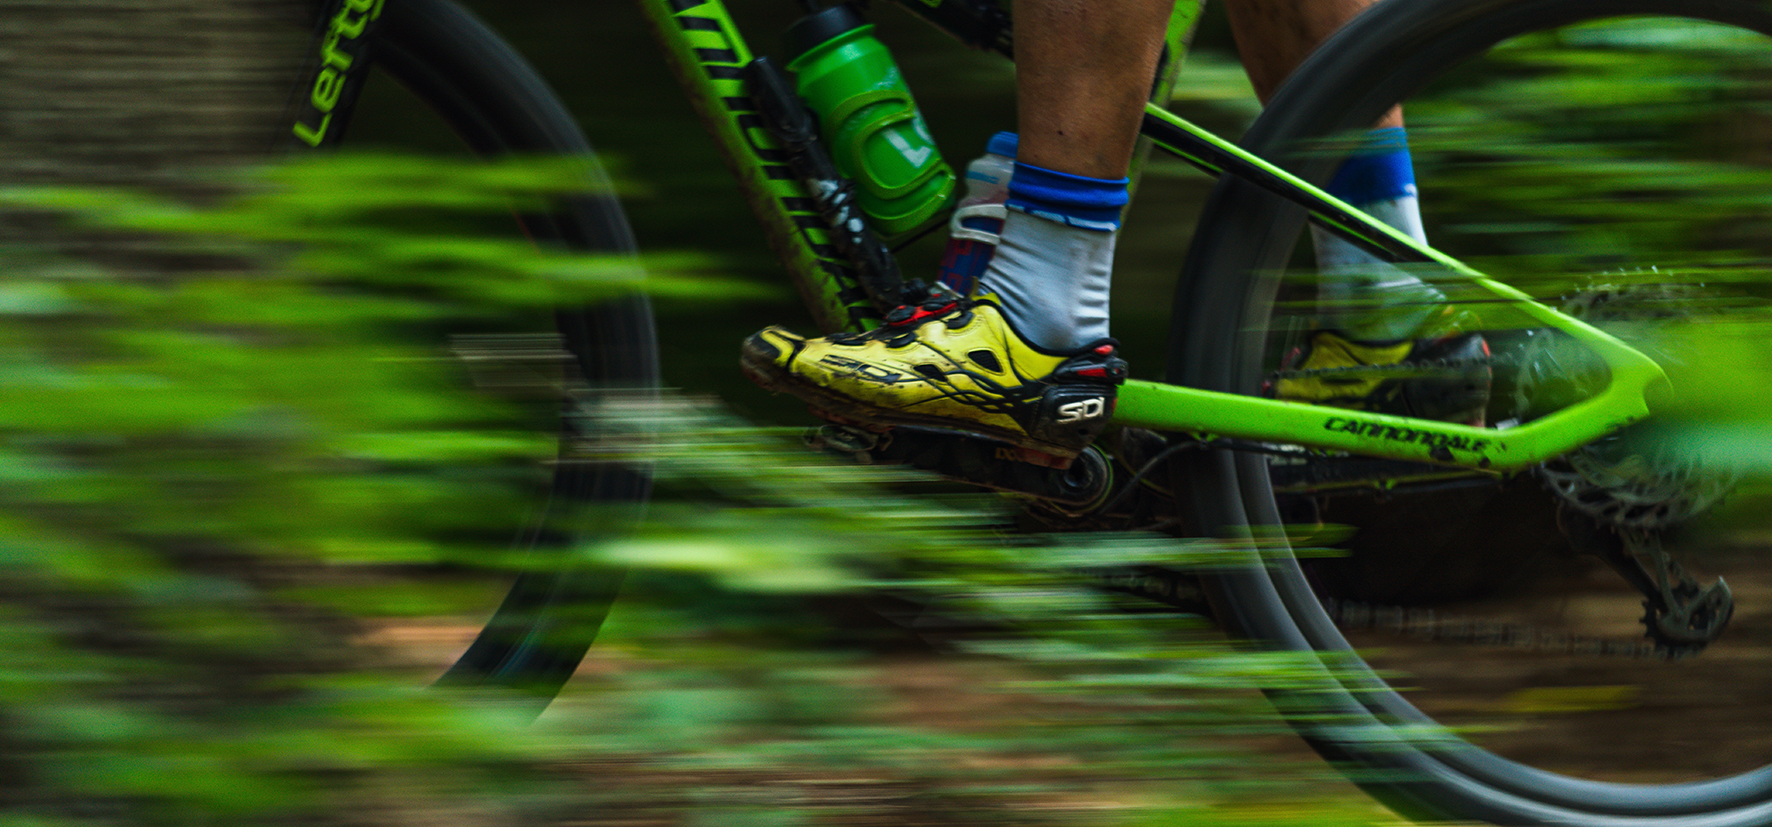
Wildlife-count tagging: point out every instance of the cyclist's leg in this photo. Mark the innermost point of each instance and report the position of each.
(1371, 312)
(1274, 36)
(1082, 78)
(1029, 362)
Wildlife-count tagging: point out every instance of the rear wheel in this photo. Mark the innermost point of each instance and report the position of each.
(1609, 157)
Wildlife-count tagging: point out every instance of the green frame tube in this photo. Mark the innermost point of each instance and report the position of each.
(1183, 21)
(706, 53)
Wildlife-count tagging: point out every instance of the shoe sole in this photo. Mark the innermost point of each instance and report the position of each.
(838, 408)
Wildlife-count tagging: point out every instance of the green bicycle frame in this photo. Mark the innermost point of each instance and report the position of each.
(1173, 408)
(708, 55)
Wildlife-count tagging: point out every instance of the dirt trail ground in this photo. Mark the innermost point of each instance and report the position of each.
(1608, 717)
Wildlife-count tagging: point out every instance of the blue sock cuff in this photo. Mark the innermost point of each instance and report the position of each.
(1076, 200)
(1379, 169)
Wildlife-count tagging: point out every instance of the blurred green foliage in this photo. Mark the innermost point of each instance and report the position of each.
(211, 414)
(252, 503)
(1621, 145)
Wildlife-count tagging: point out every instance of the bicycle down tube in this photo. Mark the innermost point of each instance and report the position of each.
(708, 55)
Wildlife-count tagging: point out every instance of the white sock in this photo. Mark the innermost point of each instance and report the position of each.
(1365, 297)
(1052, 280)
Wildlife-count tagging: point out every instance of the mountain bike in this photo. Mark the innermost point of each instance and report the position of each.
(1625, 350)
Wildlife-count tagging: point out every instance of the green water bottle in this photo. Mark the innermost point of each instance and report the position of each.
(869, 122)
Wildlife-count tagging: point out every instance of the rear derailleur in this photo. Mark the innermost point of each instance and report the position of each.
(1620, 498)
(1681, 615)
(1622, 495)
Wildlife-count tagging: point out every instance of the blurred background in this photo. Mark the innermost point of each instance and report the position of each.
(253, 500)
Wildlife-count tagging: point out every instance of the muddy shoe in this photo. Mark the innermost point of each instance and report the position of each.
(947, 363)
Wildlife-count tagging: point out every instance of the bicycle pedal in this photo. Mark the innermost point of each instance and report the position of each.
(972, 459)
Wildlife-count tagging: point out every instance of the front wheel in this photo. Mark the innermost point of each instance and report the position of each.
(1611, 158)
(496, 105)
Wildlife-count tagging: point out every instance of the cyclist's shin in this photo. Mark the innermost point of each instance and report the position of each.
(1364, 297)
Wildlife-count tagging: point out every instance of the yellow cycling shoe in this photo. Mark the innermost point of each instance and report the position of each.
(1446, 378)
(948, 363)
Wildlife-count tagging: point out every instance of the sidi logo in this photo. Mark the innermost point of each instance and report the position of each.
(1080, 410)
(862, 370)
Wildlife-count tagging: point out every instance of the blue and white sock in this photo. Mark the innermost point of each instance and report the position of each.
(1359, 294)
(1052, 270)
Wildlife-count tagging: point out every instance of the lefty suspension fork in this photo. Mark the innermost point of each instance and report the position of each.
(335, 72)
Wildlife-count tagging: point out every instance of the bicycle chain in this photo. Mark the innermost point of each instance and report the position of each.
(1434, 626)
(1680, 617)
(1430, 626)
